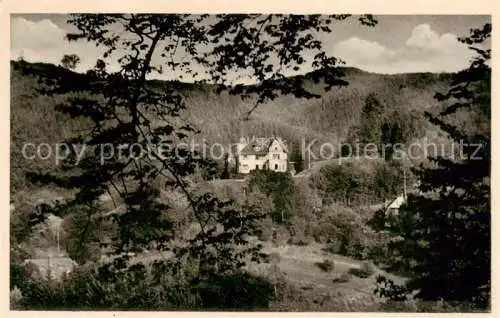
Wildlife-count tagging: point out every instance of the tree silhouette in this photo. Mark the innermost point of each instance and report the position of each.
(225, 172)
(371, 120)
(296, 157)
(391, 135)
(70, 61)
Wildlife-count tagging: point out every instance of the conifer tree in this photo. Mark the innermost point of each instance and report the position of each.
(445, 230)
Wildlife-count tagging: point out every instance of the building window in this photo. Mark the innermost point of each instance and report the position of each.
(257, 167)
(276, 156)
(275, 167)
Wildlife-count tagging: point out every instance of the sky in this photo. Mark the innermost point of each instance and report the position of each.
(398, 44)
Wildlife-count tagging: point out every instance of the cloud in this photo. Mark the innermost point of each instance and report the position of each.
(44, 41)
(424, 51)
(362, 50)
(35, 35)
(423, 36)
(425, 40)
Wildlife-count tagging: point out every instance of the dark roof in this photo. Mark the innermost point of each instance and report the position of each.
(260, 146)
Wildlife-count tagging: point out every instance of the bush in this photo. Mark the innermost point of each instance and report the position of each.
(299, 241)
(326, 266)
(15, 298)
(369, 268)
(299, 231)
(280, 236)
(439, 306)
(278, 186)
(20, 275)
(359, 182)
(265, 229)
(240, 291)
(342, 278)
(81, 236)
(346, 233)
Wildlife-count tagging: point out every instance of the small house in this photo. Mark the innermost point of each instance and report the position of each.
(394, 206)
(261, 154)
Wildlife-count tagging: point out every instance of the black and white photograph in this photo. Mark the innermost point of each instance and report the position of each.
(250, 162)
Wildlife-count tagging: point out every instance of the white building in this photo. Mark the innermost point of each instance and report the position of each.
(394, 206)
(261, 153)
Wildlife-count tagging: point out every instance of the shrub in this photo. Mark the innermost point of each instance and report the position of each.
(299, 231)
(369, 268)
(346, 233)
(265, 258)
(359, 182)
(299, 241)
(278, 186)
(419, 306)
(241, 291)
(15, 298)
(280, 236)
(265, 229)
(342, 278)
(326, 266)
(135, 287)
(81, 236)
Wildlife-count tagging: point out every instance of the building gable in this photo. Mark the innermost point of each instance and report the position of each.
(262, 146)
(277, 146)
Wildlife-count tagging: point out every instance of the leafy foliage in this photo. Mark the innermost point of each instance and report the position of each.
(113, 286)
(359, 181)
(280, 187)
(386, 128)
(83, 230)
(370, 120)
(70, 61)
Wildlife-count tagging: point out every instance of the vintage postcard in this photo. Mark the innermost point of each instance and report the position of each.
(251, 159)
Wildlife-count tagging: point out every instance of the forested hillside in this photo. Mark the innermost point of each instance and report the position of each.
(338, 116)
(126, 192)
